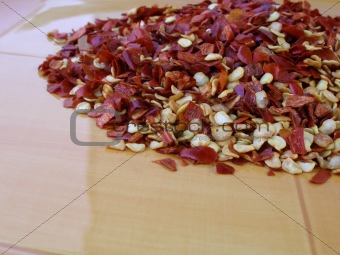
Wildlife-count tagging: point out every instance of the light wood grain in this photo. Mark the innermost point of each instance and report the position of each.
(67, 199)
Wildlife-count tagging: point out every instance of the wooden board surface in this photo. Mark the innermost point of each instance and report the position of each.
(61, 198)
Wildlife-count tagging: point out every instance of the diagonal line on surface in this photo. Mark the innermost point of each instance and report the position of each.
(108, 174)
(283, 212)
(68, 204)
(9, 7)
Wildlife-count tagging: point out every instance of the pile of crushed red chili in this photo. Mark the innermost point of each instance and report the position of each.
(231, 81)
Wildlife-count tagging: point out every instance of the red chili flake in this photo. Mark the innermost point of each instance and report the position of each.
(253, 69)
(206, 48)
(245, 55)
(231, 148)
(182, 160)
(201, 154)
(71, 103)
(296, 141)
(295, 88)
(239, 90)
(264, 155)
(135, 137)
(239, 161)
(192, 112)
(293, 31)
(321, 110)
(320, 177)
(222, 168)
(270, 173)
(298, 101)
(169, 150)
(336, 135)
(117, 131)
(168, 163)
(78, 34)
(240, 120)
(166, 137)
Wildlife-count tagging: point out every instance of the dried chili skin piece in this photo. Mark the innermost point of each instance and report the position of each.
(296, 141)
(320, 177)
(168, 163)
(201, 154)
(270, 172)
(222, 168)
(245, 55)
(296, 101)
(192, 112)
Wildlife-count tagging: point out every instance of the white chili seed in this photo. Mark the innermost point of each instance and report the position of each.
(167, 116)
(184, 100)
(97, 105)
(242, 148)
(213, 57)
(187, 135)
(291, 167)
(111, 79)
(289, 154)
(266, 78)
(98, 65)
(334, 162)
(166, 48)
(120, 146)
(169, 19)
(195, 125)
(223, 158)
(107, 90)
(322, 85)
(221, 133)
(182, 108)
(185, 43)
(307, 166)
(274, 162)
(136, 147)
(190, 37)
(264, 130)
(200, 140)
(201, 79)
(236, 74)
(222, 118)
(84, 107)
(276, 26)
(132, 128)
(261, 99)
(323, 140)
(154, 145)
(277, 142)
(336, 145)
(308, 139)
(214, 146)
(258, 142)
(74, 90)
(278, 34)
(328, 127)
(212, 6)
(206, 109)
(273, 16)
(330, 96)
(224, 93)
(227, 152)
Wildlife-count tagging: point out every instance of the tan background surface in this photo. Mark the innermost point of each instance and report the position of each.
(65, 199)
